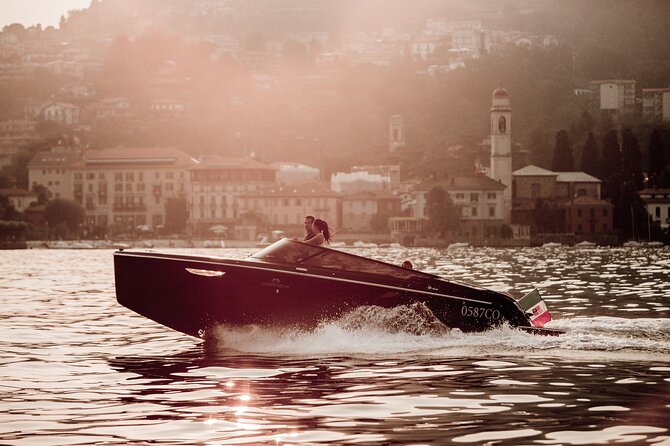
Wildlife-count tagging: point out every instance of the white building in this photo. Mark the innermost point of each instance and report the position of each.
(359, 182)
(53, 170)
(613, 96)
(480, 201)
(217, 183)
(295, 173)
(20, 199)
(658, 205)
(501, 147)
(285, 207)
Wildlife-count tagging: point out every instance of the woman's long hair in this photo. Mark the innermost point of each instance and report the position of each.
(322, 226)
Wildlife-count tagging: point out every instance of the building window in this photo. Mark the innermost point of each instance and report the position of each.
(129, 176)
(604, 212)
(474, 211)
(579, 228)
(579, 212)
(118, 177)
(592, 213)
(658, 212)
(474, 197)
(491, 195)
(101, 175)
(460, 196)
(77, 176)
(90, 176)
(169, 175)
(492, 212)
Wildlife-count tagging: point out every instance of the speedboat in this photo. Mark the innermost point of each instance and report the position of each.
(291, 283)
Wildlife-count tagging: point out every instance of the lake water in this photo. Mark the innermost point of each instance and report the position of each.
(77, 368)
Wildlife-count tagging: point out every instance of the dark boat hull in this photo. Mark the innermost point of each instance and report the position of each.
(193, 294)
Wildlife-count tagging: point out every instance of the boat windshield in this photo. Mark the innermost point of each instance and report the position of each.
(292, 251)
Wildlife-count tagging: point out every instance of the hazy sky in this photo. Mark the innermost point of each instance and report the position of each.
(30, 12)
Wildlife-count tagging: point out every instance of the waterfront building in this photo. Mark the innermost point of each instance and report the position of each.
(124, 187)
(216, 184)
(657, 202)
(284, 207)
(129, 187)
(613, 97)
(576, 197)
(359, 209)
(54, 169)
(20, 199)
(480, 201)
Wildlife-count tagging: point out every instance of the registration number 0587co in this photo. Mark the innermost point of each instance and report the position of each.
(488, 313)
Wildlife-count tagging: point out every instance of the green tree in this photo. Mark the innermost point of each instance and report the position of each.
(13, 230)
(562, 161)
(611, 166)
(656, 158)
(61, 211)
(443, 216)
(631, 159)
(176, 215)
(43, 193)
(630, 213)
(590, 157)
(7, 211)
(611, 160)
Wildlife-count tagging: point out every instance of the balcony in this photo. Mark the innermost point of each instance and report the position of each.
(129, 207)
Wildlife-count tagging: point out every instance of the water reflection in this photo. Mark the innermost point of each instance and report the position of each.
(244, 398)
(76, 368)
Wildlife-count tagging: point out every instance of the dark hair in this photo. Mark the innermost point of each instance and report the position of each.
(310, 217)
(322, 226)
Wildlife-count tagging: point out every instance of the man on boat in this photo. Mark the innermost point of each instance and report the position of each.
(309, 219)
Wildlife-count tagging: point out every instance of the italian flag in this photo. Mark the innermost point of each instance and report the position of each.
(533, 305)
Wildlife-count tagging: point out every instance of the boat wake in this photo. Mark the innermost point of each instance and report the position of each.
(413, 329)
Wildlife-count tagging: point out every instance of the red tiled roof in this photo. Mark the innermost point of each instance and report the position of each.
(137, 155)
(469, 182)
(300, 191)
(217, 163)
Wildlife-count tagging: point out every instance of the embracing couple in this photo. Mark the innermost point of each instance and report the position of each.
(317, 231)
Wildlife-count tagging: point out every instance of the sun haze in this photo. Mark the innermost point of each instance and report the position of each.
(31, 12)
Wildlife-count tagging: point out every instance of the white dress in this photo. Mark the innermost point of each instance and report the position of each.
(317, 240)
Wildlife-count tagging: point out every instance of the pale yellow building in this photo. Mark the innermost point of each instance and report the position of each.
(285, 207)
(216, 184)
(129, 187)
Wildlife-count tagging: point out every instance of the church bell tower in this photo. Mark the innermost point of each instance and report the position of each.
(501, 147)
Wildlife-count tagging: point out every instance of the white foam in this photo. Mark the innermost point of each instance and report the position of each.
(413, 329)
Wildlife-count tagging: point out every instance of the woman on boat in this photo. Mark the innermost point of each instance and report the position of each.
(321, 233)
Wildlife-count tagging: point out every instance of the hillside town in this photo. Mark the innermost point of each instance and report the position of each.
(96, 144)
